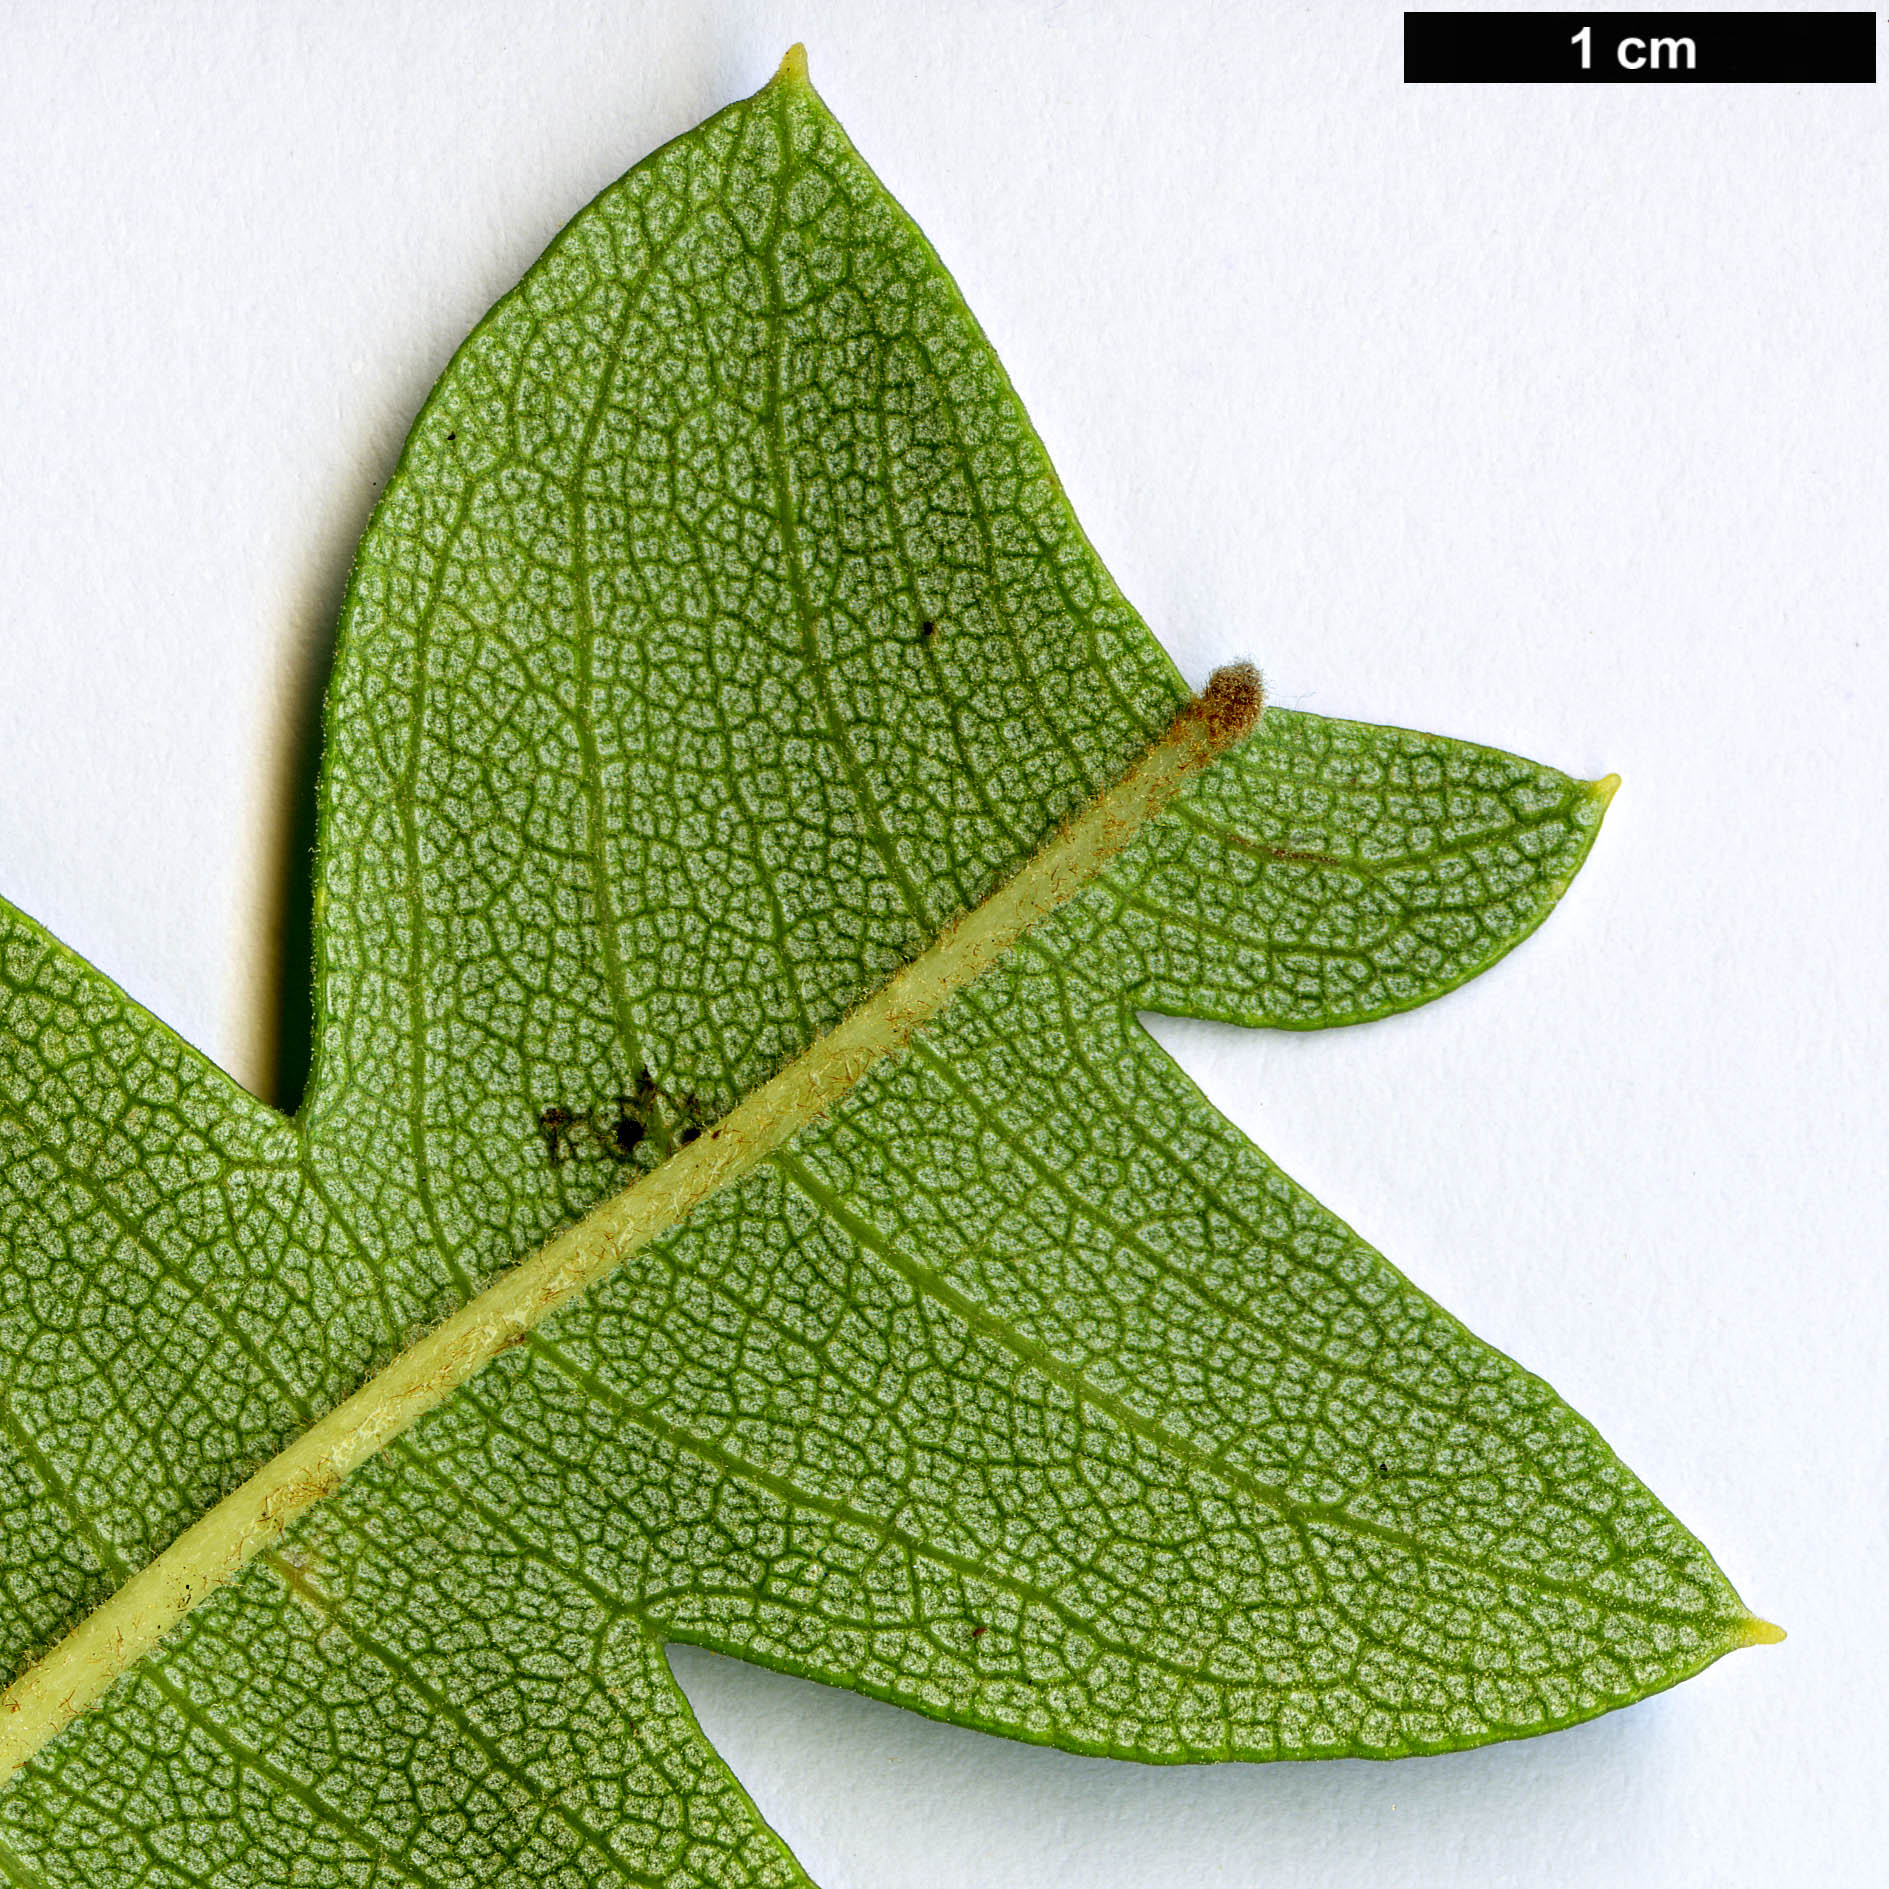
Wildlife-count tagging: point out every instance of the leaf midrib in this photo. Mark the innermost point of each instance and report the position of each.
(146, 1608)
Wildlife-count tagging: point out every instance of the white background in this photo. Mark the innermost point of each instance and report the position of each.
(1552, 417)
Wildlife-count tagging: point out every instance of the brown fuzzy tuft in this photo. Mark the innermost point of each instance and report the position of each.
(1231, 703)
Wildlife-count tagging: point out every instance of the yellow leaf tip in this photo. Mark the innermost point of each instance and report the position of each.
(793, 67)
(1756, 1632)
(1604, 789)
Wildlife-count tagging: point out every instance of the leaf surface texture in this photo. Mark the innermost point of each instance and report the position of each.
(722, 639)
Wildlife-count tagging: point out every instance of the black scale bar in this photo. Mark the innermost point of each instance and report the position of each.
(1667, 48)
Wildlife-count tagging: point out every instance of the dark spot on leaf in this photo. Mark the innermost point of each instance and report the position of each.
(628, 1132)
(554, 1124)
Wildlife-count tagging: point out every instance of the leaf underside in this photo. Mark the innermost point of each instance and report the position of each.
(722, 637)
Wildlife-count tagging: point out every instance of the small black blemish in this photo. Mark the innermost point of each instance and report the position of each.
(629, 1130)
(452, 435)
(694, 1119)
(554, 1124)
(1383, 1469)
(927, 630)
(642, 1122)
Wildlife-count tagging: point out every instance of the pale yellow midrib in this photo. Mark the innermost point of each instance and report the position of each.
(50, 1694)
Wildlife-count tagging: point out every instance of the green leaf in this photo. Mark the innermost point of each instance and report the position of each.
(744, 782)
